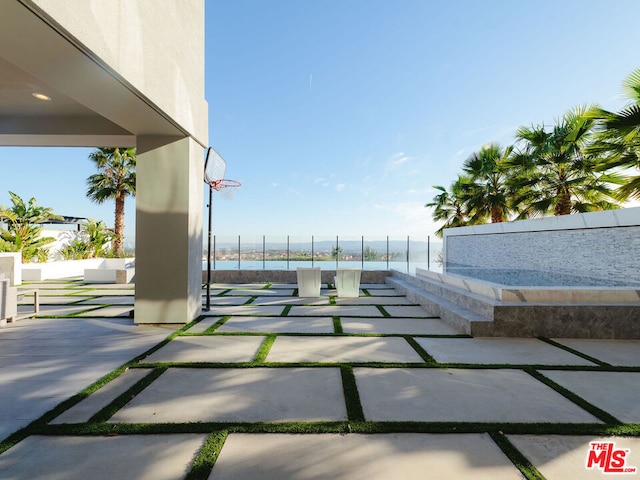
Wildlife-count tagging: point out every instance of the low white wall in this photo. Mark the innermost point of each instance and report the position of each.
(37, 272)
(597, 248)
(10, 267)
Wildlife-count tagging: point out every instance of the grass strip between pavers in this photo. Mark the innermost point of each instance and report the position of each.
(337, 325)
(351, 395)
(420, 351)
(383, 311)
(349, 426)
(521, 462)
(285, 311)
(574, 351)
(207, 456)
(216, 325)
(121, 400)
(264, 349)
(581, 402)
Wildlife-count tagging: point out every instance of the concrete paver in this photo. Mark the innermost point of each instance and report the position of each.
(336, 310)
(278, 324)
(161, 457)
(614, 392)
(232, 395)
(45, 361)
(263, 292)
(108, 299)
(207, 349)
(560, 457)
(112, 311)
(60, 310)
(204, 324)
(410, 326)
(52, 300)
(362, 300)
(245, 310)
(48, 292)
(513, 351)
(342, 349)
(404, 456)
(103, 290)
(460, 395)
(291, 301)
(380, 292)
(408, 311)
(84, 410)
(378, 286)
(624, 353)
(226, 300)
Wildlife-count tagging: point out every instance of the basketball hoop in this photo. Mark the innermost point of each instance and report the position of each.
(214, 169)
(227, 188)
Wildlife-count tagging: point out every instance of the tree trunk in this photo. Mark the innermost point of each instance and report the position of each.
(496, 215)
(563, 207)
(118, 242)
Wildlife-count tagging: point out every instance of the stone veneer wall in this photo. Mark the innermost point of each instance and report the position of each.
(590, 249)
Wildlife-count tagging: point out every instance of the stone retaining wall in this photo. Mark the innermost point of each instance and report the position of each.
(590, 249)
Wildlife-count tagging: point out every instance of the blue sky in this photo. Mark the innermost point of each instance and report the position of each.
(338, 116)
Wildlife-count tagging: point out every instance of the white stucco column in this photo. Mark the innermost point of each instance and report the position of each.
(168, 230)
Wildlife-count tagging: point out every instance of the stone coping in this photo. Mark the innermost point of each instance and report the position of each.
(624, 217)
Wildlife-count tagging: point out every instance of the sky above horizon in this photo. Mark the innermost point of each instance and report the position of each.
(338, 116)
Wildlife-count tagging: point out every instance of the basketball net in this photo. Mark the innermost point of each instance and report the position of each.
(227, 188)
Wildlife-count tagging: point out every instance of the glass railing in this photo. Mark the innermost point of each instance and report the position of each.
(288, 252)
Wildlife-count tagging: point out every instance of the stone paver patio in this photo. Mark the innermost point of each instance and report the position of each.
(270, 385)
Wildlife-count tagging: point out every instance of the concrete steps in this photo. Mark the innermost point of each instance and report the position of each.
(463, 311)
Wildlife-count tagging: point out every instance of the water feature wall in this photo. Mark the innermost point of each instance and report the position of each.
(589, 249)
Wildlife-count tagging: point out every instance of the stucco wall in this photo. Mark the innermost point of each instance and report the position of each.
(592, 249)
(151, 44)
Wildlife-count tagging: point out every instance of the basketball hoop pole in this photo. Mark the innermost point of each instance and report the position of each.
(208, 306)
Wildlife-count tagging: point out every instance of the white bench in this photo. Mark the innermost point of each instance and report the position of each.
(110, 270)
(347, 282)
(309, 280)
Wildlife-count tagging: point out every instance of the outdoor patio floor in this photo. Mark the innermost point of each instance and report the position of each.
(269, 385)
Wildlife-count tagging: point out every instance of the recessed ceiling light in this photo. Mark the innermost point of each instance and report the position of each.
(41, 96)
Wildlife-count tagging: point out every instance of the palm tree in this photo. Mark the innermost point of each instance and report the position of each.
(488, 193)
(116, 180)
(449, 205)
(98, 235)
(23, 227)
(553, 172)
(618, 138)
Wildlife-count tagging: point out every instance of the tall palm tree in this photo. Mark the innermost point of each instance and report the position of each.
(618, 137)
(449, 205)
(116, 180)
(553, 172)
(488, 193)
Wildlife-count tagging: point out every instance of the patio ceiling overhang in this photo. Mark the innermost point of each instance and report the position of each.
(90, 104)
